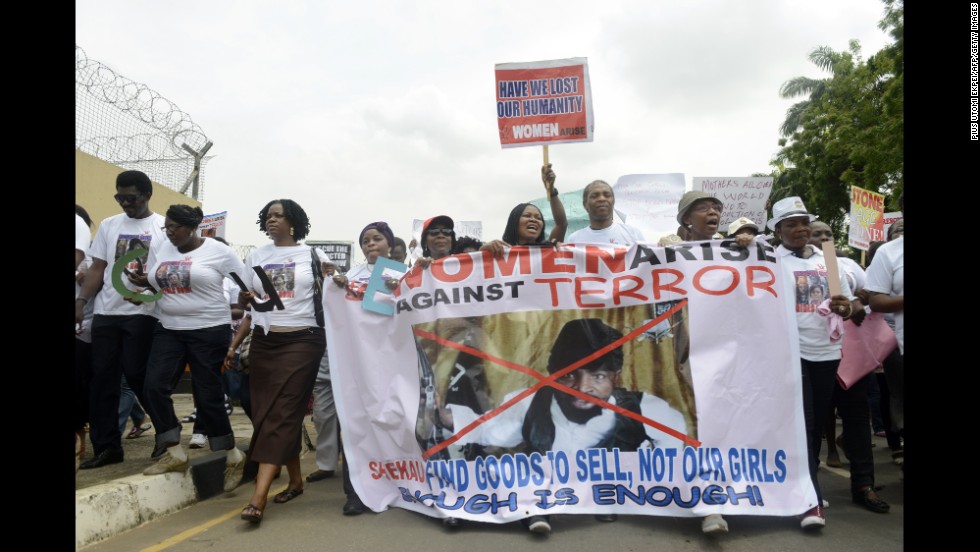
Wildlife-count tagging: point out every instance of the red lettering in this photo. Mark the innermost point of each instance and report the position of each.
(377, 472)
(553, 286)
(549, 258)
(763, 285)
(511, 258)
(615, 261)
(619, 292)
(659, 287)
(701, 274)
(438, 269)
(580, 291)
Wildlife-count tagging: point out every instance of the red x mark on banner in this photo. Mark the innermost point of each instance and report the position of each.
(552, 381)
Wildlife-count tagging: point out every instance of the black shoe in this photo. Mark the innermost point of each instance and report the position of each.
(451, 522)
(354, 506)
(319, 475)
(873, 503)
(158, 451)
(104, 458)
(606, 517)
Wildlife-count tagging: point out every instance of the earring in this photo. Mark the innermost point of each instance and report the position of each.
(290, 230)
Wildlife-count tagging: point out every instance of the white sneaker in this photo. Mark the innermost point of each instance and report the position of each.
(539, 525)
(233, 474)
(198, 440)
(813, 519)
(167, 463)
(714, 523)
(826, 503)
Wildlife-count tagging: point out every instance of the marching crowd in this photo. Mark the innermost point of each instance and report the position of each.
(141, 320)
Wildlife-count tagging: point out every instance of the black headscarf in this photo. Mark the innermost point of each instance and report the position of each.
(510, 231)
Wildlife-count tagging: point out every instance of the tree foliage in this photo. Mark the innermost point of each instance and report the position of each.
(848, 129)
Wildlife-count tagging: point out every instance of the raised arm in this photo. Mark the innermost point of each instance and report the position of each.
(557, 209)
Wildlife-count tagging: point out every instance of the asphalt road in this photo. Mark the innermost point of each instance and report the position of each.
(314, 521)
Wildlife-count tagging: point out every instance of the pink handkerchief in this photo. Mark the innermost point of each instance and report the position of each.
(835, 323)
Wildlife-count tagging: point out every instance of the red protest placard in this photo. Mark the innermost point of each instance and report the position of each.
(543, 102)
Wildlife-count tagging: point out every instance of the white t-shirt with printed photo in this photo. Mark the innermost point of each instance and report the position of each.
(290, 271)
(193, 284)
(815, 343)
(116, 236)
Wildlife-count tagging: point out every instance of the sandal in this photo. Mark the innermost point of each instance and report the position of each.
(252, 513)
(287, 495)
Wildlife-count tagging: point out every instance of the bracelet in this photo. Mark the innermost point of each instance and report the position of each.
(554, 192)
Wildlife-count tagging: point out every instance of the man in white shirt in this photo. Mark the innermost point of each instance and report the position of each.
(598, 199)
(121, 331)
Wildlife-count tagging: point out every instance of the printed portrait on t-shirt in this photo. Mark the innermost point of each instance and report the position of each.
(283, 277)
(812, 289)
(174, 277)
(129, 242)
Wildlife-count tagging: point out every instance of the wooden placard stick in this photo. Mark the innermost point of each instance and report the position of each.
(833, 274)
(544, 149)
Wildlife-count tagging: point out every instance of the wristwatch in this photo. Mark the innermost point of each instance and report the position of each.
(554, 192)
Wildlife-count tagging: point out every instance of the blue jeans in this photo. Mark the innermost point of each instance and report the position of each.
(129, 407)
(204, 350)
(120, 345)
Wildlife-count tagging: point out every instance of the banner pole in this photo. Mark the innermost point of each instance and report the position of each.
(545, 150)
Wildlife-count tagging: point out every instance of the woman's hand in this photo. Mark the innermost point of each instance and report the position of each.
(548, 178)
(246, 297)
(424, 262)
(340, 280)
(496, 248)
(744, 240)
(229, 362)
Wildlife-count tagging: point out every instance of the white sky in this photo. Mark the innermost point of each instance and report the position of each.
(384, 110)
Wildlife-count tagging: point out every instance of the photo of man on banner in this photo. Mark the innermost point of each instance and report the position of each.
(611, 392)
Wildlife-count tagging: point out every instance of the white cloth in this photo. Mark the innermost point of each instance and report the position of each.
(193, 284)
(505, 430)
(290, 270)
(618, 233)
(887, 275)
(854, 272)
(815, 342)
(83, 238)
(112, 241)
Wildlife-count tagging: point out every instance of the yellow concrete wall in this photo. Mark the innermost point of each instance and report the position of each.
(95, 184)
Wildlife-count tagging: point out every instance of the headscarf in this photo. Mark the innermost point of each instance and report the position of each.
(381, 227)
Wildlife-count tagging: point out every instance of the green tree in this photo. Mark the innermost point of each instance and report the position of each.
(849, 128)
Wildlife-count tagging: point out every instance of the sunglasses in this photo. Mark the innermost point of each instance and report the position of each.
(131, 198)
(443, 231)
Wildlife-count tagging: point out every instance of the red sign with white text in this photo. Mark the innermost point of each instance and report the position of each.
(544, 102)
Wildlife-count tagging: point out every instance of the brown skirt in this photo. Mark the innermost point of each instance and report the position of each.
(283, 368)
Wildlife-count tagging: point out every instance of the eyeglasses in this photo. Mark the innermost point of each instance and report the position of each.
(706, 206)
(443, 231)
(131, 198)
(171, 228)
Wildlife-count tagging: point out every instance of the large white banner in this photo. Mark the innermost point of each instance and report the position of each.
(589, 379)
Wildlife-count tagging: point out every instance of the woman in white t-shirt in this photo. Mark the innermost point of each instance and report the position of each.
(192, 324)
(287, 345)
